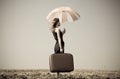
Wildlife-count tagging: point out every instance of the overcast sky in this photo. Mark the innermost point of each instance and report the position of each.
(26, 41)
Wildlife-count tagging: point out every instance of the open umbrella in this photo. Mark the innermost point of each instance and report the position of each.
(64, 14)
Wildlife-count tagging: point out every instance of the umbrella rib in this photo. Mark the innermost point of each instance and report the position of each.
(74, 17)
(75, 12)
(64, 17)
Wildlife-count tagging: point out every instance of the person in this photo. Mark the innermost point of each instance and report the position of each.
(58, 36)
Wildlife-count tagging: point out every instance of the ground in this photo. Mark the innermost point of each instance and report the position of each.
(46, 74)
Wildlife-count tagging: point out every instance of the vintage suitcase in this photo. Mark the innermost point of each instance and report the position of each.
(61, 62)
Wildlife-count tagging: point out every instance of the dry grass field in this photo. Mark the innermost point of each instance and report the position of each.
(46, 74)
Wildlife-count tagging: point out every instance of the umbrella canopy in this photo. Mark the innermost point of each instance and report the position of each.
(65, 14)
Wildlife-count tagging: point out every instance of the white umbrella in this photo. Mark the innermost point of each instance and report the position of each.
(64, 14)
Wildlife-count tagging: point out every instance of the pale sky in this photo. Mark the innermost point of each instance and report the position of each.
(26, 41)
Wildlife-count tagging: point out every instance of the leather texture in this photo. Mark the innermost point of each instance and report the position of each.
(61, 62)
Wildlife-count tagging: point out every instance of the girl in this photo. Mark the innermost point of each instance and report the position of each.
(58, 35)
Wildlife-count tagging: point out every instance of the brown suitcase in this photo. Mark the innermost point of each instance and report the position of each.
(61, 62)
